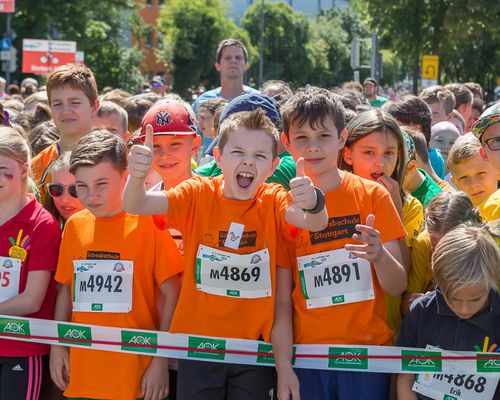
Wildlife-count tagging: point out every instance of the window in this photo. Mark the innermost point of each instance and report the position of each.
(149, 39)
(149, 3)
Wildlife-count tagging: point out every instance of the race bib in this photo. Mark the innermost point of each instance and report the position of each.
(459, 385)
(10, 275)
(334, 277)
(103, 286)
(233, 275)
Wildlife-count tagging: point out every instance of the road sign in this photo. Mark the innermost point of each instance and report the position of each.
(5, 44)
(7, 6)
(41, 57)
(430, 67)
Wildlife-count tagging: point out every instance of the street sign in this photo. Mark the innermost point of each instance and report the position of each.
(7, 6)
(41, 57)
(430, 67)
(5, 44)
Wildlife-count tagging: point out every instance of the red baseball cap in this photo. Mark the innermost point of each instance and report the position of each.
(169, 118)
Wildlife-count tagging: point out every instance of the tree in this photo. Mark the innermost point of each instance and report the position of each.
(192, 31)
(98, 27)
(287, 51)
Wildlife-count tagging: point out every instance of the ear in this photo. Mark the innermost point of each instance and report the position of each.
(483, 154)
(286, 142)
(94, 107)
(217, 66)
(25, 168)
(411, 165)
(347, 155)
(196, 145)
(342, 138)
(217, 155)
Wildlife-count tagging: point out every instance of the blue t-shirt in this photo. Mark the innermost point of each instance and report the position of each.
(437, 162)
(216, 93)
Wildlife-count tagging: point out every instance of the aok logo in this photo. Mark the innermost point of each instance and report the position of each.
(77, 335)
(420, 363)
(348, 358)
(206, 344)
(147, 341)
(15, 326)
(485, 365)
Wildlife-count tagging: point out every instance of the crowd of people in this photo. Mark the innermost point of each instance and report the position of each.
(307, 216)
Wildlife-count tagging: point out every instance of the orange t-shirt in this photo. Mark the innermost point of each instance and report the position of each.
(363, 322)
(198, 209)
(100, 374)
(40, 167)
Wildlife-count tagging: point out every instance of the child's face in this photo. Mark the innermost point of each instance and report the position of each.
(438, 113)
(468, 301)
(246, 162)
(12, 177)
(318, 145)
(72, 111)
(100, 189)
(110, 122)
(172, 155)
(476, 177)
(207, 125)
(66, 204)
(443, 140)
(491, 139)
(373, 156)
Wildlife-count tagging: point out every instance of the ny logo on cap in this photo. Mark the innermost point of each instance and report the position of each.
(162, 118)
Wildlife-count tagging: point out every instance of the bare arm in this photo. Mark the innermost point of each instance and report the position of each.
(31, 299)
(404, 385)
(282, 337)
(136, 199)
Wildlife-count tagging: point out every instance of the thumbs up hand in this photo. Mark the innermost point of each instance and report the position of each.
(302, 189)
(140, 156)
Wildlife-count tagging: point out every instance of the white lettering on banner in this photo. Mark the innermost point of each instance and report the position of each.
(233, 275)
(103, 285)
(334, 277)
(10, 277)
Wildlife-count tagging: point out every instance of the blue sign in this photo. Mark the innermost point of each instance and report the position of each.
(5, 44)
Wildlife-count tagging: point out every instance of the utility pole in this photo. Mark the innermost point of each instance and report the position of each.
(261, 58)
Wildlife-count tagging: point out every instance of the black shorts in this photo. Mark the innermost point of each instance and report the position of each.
(20, 378)
(202, 380)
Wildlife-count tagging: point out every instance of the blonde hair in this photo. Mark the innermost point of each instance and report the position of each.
(465, 256)
(14, 145)
(465, 147)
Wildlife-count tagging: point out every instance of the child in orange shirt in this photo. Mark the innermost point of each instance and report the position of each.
(342, 271)
(133, 261)
(233, 228)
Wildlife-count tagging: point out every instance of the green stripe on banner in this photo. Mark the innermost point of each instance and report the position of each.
(251, 352)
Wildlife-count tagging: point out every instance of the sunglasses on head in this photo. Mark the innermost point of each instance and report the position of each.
(57, 190)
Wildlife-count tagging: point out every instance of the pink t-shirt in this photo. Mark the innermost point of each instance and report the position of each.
(33, 236)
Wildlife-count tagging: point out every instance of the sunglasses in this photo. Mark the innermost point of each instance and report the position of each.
(57, 190)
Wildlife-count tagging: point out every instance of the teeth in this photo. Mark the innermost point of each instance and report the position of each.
(246, 175)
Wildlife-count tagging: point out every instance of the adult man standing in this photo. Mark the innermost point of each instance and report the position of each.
(231, 61)
(370, 92)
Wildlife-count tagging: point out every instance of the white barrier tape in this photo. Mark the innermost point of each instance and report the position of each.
(240, 351)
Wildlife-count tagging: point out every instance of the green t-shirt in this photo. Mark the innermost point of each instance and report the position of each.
(427, 190)
(379, 101)
(285, 171)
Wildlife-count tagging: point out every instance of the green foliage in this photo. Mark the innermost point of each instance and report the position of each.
(193, 30)
(98, 27)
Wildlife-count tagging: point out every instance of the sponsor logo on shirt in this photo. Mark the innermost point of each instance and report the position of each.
(20, 246)
(337, 228)
(248, 239)
(102, 255)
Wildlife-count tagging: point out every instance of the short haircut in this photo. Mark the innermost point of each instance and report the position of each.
(117, 96)
(282, 90)
(439, 94)
(211, 106)
(465, 147)
(353, 85)
(477, 104)
(412, 110)
(108, 108)
(475, 88)
(460, 118)
(420, 143)
(96, 147)
(230, 42)
(42, 136)
(252, 120)
(466, 256)
(448, 210)
(77, 76)
(312, 105)
(462, 94)
(136, 107)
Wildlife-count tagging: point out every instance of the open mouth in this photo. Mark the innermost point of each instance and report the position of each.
(244, 179)
(376, 175)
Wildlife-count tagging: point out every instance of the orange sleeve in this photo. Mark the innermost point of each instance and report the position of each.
(64, 272)
(282, 200)
(387, 220)
(168, 259)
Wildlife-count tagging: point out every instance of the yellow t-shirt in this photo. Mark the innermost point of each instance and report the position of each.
(420, 277)
(490, 212)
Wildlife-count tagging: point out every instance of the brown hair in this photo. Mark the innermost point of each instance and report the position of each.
(109, 108)
(96, 147)
(136, 107)
(211, 106)
(466, 256)
(60, 162)
(412, 110)
(312, 105)
(475, 88)
(230, 42)
(464, 148)
(13, 145)
(420, 143)
(252, 120)
(439, 94)
(77, 76)
(462, 94)
(365, 124)
(42, 136)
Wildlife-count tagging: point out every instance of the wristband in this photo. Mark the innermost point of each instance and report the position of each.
(320, 202)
